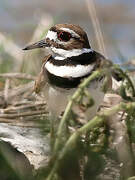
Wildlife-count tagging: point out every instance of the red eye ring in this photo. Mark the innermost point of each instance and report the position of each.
(64, 36)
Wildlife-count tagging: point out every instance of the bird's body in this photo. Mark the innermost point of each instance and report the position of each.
(71, 60)
(57, 98)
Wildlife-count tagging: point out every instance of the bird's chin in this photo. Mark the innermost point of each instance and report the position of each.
(54, 54)
(49, 50)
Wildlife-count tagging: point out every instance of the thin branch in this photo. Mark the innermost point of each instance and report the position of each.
(131, 178)
(19, 89)
(22, 107)
(96, 25)
(6, 90)
(96, 121)
(123, 74)
(67, 112)
(18, 76)
(11, 116)
(11, 48)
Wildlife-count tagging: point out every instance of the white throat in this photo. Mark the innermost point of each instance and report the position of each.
(61, 54)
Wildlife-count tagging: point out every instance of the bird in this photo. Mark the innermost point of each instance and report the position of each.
(71, 60)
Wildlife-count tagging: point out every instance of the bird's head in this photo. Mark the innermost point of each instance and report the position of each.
(64, 40)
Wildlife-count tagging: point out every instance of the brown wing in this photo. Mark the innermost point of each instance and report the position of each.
(102, 62)
(41, 79)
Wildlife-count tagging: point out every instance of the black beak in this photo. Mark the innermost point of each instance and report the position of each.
(39, 44)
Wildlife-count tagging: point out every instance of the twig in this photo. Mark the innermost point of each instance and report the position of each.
(6, 90)
(96, 25)
(18, 76)
(81, 87)
(116, 67)
(44, 23)
(11, 116)
(30, 63)
(23, 102)
(29, 122)
(11, 48)
(96, 121)
(20, 90)
(131, 178)
(22, 107)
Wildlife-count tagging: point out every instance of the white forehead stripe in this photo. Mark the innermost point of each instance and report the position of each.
(73, 33)
(69, 53)
(69, 71)
(52, 35)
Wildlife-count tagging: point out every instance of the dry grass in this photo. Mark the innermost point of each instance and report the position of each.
(20, 106)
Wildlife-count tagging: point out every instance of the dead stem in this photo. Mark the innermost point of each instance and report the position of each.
(18, 76)
(96, 25)
(6, 90)
(95, 122)
(81, 88)
(11, 116)
(22, 107)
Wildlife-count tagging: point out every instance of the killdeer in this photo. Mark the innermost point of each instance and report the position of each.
(71, 60)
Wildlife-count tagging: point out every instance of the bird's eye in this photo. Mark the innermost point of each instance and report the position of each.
(64, 36)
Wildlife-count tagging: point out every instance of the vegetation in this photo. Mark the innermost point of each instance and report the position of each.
(102, 148)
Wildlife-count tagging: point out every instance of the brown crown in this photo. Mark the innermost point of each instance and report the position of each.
(74, 43)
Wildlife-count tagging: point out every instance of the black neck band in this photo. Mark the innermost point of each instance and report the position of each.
(83, 59)
(64, 82)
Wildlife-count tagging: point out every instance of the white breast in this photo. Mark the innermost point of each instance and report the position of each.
(69, 71)
(57, 98)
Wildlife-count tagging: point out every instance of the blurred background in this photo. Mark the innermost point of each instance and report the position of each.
(25, 21)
